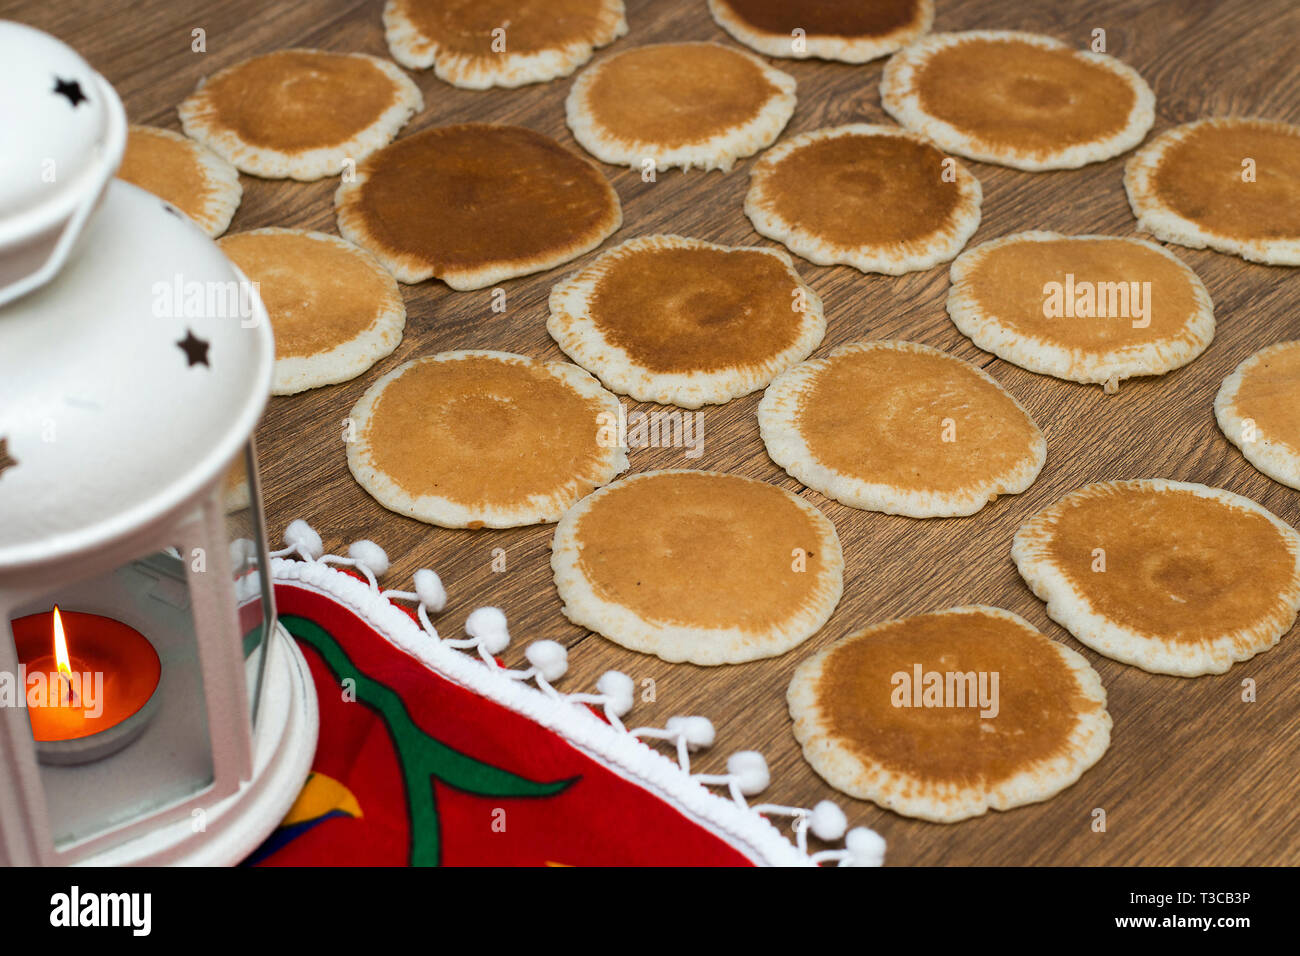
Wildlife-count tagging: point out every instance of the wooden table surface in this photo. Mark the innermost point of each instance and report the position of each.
(1194, 775)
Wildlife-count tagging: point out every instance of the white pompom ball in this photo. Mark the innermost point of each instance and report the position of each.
(370, 554)
(698, 731)
(866, 847)
(549, 657)
(827, 821)
(750, 770)
(303, 536)
(488, 625)
(619, 689)
(429, 589)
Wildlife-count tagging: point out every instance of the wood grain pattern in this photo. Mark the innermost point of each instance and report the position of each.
(1194, 775)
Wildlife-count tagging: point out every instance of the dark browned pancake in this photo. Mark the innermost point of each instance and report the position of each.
(850, 30)
(476, 203)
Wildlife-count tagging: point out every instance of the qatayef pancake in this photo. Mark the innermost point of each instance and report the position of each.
(853, 31)
(679, 104)
(476, 203)
(1085, 308)
(900, 428)
(334, 309)
(1017, 99)
(477, 44)
(1230, 184)
(877, 198)
(173, 167)
(698, 566)
(484, 439)
(1173, 577)
(235, 493)
(907, 714)
(300, 113)
(686, 322)
(1258, 408)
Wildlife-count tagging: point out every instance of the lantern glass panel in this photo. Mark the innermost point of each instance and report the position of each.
(254, 596)
(171, 758)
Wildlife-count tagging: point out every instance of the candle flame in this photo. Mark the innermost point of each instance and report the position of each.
(61, 645)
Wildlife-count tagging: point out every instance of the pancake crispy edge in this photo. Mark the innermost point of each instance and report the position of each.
(848, 771)
(446, 513)
(719, 151)
(572, 328)
(198, 121)
(348, 359)
(1031, 551)
(779, 427)
(887, 258)
(1045, 357)
(900, 99)
(822, 46)
(415, 50)
(1278, 459)
(677, 643)
(1155, 216)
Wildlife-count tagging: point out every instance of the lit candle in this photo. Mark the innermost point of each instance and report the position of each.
(89, 683)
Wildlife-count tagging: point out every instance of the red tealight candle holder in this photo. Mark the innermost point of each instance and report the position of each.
(90, 683)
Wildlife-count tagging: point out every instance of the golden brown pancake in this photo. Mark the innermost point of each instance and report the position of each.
(849, 30)
(1017, 99)
(476, 44)
(945, 715)
(900, 428)
(300, 113)
(334, 309)
(697, 566)
(1085, 308)
(235, 492)
(1229, 184)
(1170, 576)
(483, 439)
(195, 180)
(873, 197)
(476, 203)
(686, 322)
(679, 104)
(1258, 408)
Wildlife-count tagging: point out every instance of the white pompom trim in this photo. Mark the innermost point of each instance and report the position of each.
(744, 826)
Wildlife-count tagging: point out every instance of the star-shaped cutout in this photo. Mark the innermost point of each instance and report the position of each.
(195, 349)
(7, 460)
(71, 89)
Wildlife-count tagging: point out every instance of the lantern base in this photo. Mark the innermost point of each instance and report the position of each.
(284, 746)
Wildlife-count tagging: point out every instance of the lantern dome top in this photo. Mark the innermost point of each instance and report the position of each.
(127, 384)
(64, 135)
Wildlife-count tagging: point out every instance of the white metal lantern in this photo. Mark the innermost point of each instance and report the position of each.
(164, 716)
